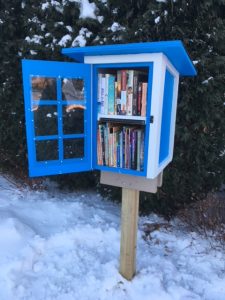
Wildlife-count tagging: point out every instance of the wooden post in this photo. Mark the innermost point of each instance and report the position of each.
(129, 221)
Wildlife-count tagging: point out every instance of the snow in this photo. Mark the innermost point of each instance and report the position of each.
(157, 20)
(69, 28)
(43, 26)
(32, 52)
(57, 245)
(44, 6)
(64, 40)
(100, 19)
(207, 80)
(35, 39)
(80, 40)
(195, 62)
(87, 10)
(116, 27)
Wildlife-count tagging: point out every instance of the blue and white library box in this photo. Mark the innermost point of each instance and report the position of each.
(114, 109)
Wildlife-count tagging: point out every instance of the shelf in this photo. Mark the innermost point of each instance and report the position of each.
(139, 120)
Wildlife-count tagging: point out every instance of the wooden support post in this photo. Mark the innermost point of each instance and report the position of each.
(129, 222)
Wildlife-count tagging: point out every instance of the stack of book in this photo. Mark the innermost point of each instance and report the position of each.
(123, 93)
(120, 146)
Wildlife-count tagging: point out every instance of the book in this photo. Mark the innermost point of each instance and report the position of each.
(123, 80)
(120, 146)
(138, 149)
(118, 106)
(110, 145)
(130, 85)
(134, 149)
(106, 94)
(123, 102)
(106, 144)
(139, 97)
(142, 152)
(111, 94)
(116, 130)
(102, 143)
(135, 94)
(123, 92)
(118, 80)
(139, 77)
(99, 148)
(99, 92)
(143, 98)
(102, 96)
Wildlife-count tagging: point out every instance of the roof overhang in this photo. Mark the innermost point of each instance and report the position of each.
(174, 50)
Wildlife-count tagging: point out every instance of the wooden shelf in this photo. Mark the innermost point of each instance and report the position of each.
(139, 120)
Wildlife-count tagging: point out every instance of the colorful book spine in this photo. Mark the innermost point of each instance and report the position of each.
(106, 144)
(121, 149)
(135, 94)
(111, 94)
(138, 149)
(102, 144)
(143, 99)
(102, 98)
(120, 146)
(106, 93)
(99, 148)
(134, 149)
(130, 87)
(139, 96)
(142, 152)
(99, 92)
(110, 145)
(118, 156)
(123, 102)
(123, 92)
(119, 82)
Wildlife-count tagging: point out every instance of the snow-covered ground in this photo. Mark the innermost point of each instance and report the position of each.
(65, 246)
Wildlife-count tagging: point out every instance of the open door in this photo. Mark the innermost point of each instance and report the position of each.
(58, 116)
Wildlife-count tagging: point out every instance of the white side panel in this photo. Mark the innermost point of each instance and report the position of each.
(124, 58)
(156, 111)
(174, 72)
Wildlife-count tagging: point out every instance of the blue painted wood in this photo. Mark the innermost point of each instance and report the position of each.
(121, 171)
(56, 70)
(174, 50)
(166, 117)
(60, 116)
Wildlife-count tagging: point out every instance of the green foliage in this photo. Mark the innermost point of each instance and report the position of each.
(12, 152)
(198, 165)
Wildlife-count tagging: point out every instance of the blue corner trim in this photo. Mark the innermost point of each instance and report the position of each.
(166, 117)
(174, 50)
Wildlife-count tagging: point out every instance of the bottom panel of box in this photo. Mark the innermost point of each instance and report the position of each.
(132, 182)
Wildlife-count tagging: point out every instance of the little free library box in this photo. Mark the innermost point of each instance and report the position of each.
(114, 109)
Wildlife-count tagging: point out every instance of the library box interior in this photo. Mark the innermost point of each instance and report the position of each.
(113, 110)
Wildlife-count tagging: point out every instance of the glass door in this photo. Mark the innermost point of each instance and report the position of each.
(58, 116)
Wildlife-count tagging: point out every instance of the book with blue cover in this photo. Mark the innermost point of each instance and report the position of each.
(111, 94)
